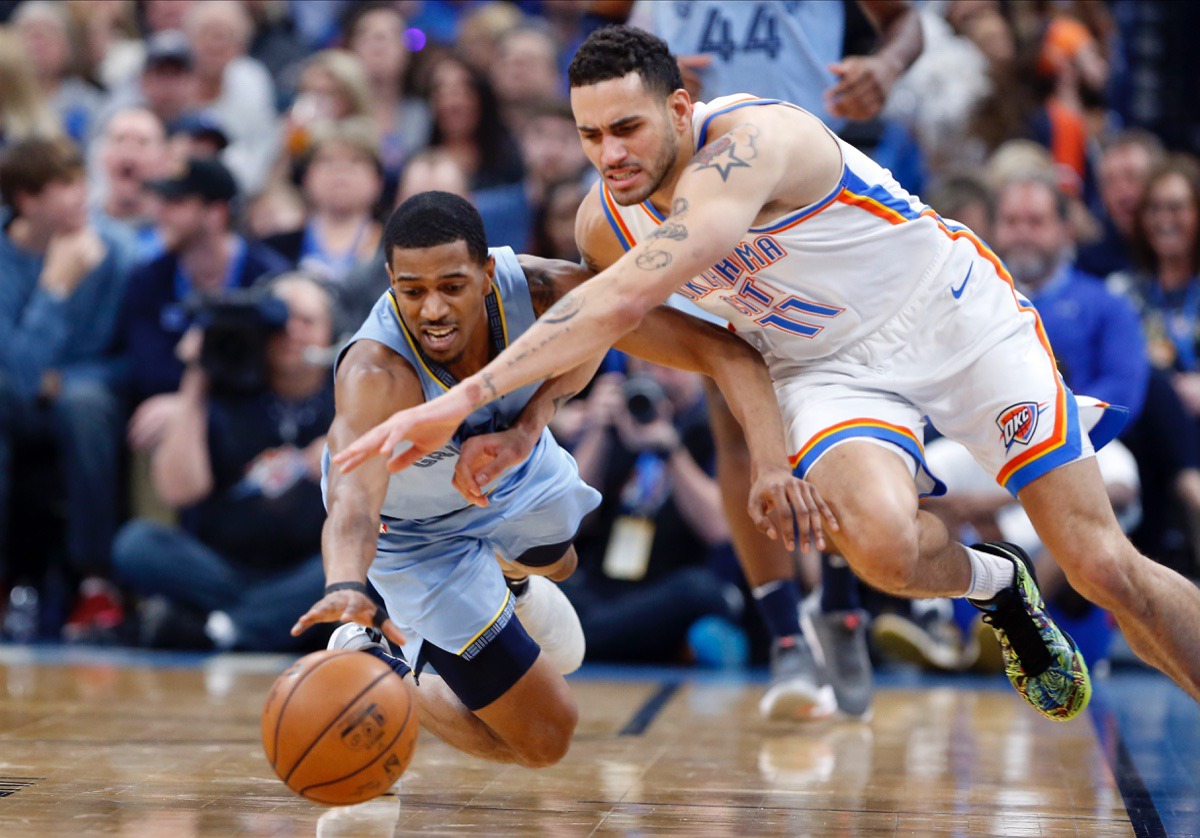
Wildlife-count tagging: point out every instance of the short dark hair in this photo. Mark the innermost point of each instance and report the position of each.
(31, 165)
(616, 51)
(428, 219)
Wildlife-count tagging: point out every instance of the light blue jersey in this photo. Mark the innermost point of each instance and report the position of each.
(436, 564)
(780, 50)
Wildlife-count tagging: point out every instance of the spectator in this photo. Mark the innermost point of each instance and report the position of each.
(376, 35)
(203, 257)
(246, 470)
(1124, 166)
(333, 87)
(1096, 336)
(235, 87)
(432, 171)
(114, 51)
(276, 44)
(643, 585)
(554, 230)
(550, 148)
(467, 126)
(132, 151)
(45, 27)
(482, 29)
(197, 134)
(525, 74)
(166, 15)
(23, 111)
(169, 85)
(63, 280)
(1163, 286)
(278, 209)
(343, 180)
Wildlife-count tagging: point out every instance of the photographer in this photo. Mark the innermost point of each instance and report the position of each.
(242, 460)
(643, 588)
(203, 257)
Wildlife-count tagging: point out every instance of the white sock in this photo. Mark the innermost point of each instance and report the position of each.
(989, 574)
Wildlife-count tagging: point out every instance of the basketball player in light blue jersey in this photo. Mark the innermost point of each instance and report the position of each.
(873, 312)
(464, 570)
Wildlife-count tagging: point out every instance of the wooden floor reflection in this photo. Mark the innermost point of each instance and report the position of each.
(118, 748)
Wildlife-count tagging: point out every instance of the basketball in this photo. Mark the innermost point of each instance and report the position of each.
(338, 727)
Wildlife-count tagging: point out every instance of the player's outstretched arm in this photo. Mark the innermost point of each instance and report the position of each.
(722, 191)
(372, 383)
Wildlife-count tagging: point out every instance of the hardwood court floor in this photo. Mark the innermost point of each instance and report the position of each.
(118, 743)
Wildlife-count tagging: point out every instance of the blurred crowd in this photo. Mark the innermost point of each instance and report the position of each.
(192, 204)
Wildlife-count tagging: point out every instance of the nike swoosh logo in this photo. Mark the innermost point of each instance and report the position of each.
(957, 292)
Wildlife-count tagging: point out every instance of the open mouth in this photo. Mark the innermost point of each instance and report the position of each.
(622, 177)
(438, 338)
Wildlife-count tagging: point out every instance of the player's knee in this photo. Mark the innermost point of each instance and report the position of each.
(136, 547)
(549, 739)
(1103, 570)
(563, 568)
(883, 551)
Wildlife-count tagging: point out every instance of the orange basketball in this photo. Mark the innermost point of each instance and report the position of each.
(338, 727)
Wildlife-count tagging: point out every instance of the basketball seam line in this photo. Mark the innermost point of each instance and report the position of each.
(403, 727)
(325, 730)
(286, 701)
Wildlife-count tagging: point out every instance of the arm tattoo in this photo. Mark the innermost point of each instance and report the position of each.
(564, 309)
(670, 230)
(724, 153)
(490, 386)
(652, 260)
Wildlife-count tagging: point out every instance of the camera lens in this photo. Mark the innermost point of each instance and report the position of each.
(642, 397)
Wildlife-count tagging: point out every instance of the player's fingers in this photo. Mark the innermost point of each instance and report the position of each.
(828, 518)
(506, 458)
(404, 459)
(781, 517)
(808, 513)
(760, 519)
(391, 632)
(319, 613)
(462, 481)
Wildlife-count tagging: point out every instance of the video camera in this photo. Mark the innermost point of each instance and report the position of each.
(237, 326)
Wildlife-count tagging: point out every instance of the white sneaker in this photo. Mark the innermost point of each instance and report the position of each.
(354, 637)
(551, 621)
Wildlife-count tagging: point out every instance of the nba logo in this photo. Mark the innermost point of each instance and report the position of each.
(1017, 423)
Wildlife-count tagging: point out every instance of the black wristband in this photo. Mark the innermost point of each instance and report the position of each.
(361, 587)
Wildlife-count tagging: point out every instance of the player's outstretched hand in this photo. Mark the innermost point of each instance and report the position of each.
(862, 88)
(349, 607)
(778, 497)
(484, 458)
(428, 427)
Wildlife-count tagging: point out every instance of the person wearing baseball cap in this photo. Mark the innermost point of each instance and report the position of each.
(204, 257)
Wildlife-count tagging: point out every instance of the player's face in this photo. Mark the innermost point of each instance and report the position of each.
(440, 292)
(630, 134)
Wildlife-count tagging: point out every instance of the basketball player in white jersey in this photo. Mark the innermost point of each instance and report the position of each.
(795, 52)
(872, 312)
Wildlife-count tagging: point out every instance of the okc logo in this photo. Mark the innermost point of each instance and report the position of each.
(1018, 423)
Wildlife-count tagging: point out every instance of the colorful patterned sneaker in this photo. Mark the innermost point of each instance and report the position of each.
(1040, 659)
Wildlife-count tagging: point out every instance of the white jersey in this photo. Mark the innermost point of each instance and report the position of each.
(809, 283)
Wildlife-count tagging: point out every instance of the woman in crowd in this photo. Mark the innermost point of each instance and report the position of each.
(376, 36)
(467, 126)
(23, 111)
(342, 183)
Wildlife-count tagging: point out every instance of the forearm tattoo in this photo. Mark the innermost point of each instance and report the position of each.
(652, 260)
(564, 310)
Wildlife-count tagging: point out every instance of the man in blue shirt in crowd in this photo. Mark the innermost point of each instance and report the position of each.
(1096, 335)
(62, 283)
(203, 257)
